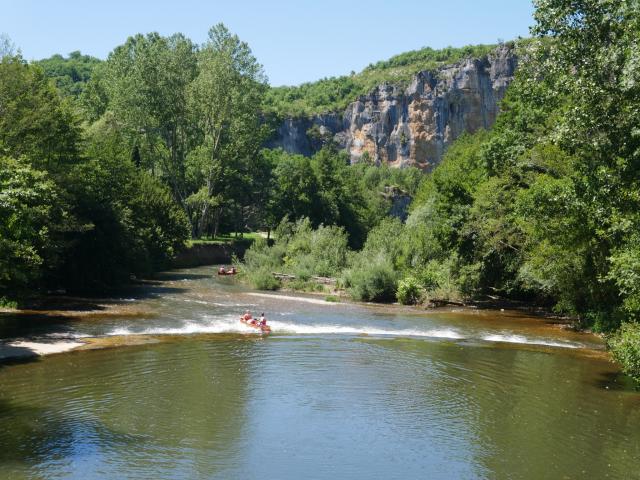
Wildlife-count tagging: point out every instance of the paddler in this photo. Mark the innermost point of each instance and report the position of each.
(262, 321)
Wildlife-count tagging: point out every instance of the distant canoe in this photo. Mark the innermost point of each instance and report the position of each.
(228, 272)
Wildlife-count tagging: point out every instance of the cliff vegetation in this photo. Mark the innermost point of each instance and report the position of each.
(335, 93)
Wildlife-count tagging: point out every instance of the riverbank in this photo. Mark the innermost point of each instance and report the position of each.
(336, 295)
(214, 252)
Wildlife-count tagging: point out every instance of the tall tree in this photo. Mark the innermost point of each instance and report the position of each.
(224, 101)
(145, 81)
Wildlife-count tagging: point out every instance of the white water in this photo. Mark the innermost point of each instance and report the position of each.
(230, 324)
(511, 338)
(327, 329)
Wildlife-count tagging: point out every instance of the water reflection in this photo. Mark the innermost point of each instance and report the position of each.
(335, 392)
(139, 412)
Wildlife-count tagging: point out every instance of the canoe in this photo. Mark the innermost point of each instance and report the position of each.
(227, 273)
(262, 328)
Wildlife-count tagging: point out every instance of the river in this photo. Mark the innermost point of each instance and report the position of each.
(337, 391)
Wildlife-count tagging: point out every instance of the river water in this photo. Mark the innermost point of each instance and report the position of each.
(337, 391)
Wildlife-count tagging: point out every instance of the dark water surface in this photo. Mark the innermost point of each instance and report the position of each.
(336, 392)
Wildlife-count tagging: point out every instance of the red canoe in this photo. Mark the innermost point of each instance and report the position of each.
(262, 328)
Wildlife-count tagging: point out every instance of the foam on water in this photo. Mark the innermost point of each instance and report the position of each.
(211, 325)
(512, 338)
(67, 335)
(230, 324)
(328, 329)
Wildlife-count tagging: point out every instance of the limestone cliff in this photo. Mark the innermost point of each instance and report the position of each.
(412, 125)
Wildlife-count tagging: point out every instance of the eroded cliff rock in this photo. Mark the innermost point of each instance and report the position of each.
(412, 125)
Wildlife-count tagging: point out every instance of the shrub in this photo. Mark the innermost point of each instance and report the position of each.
(409, 291)
(372, 282)
(301, 251)
(469, 279)
(625, 347)
(440, 282)
(8, 303)
(263, 279)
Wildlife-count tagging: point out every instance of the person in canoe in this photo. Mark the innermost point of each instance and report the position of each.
(223, 271)
(262, 321)
(248, 318)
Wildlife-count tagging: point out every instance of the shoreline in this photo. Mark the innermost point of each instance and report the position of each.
(492, 304)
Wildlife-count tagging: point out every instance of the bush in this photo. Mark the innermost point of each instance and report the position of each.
(409, 291)
(8, 303)
(625, 347)
(374, 282)
(263, 279)
(299, 250)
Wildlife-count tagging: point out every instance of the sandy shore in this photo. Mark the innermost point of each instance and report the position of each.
(24, 349)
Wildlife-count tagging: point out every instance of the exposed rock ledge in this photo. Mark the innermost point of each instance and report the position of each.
(411, 126)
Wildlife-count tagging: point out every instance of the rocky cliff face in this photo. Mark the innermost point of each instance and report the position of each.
(410, 126)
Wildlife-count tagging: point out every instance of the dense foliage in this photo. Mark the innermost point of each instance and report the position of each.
(74, 209)
(343, 202)
(335, 93)
(190, 115)
(70, 74)
(300, 250)
(625, 346)
(327, 190)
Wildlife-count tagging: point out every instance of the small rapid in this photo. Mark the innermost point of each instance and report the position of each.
(521, 339)
(233, 325)
(229, 324)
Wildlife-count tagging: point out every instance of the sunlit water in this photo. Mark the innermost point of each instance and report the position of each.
(335, 392)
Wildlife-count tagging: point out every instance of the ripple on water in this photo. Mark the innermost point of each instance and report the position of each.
(337, 391)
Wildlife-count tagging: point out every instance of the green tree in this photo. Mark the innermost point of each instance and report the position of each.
(145, 83)
(70, 74)
(34, 121)
(31, 213)
(132, 225)
(224, 101)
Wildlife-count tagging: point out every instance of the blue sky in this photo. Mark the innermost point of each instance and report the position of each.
(296, 41)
